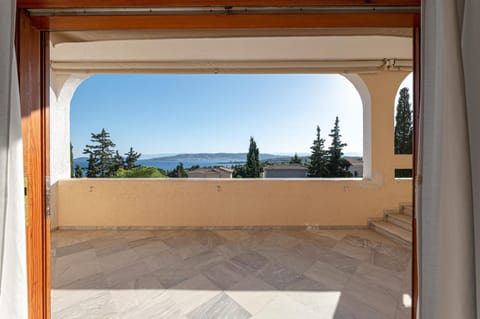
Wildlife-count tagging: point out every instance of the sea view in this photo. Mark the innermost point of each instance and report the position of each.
(170, 164)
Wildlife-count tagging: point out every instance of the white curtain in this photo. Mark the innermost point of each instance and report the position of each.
(13, 268)
(449, 205)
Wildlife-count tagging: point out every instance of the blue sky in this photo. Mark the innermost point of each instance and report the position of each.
(216, 113)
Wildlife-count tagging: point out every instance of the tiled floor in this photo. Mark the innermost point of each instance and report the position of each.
(229, 274)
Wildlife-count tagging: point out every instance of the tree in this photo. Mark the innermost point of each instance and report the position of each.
(78, 171)
(178, 172)
(403, 124)
(253, 167)
(100, 155)
(72, 173)
(239, 171)
(92, 168)
(131, 158)
(295, 159)
(140, 172)
(318, 159)
(117, 163)
(337, 165)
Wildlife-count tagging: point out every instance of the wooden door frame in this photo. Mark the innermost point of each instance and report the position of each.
(33, 67)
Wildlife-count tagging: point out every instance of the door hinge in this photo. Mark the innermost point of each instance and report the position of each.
(25, 194)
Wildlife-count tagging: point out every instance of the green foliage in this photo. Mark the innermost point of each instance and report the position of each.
(72, 173)
(91, 169)
(318, 160)
(194, 167)
(295, 159)
(78, 171)
(253, 168)
(337, 166)
(140, 172)
(100, 154)
(131, 158)
(117, 163)
(239, 171)
(403, 124)
(178, 172)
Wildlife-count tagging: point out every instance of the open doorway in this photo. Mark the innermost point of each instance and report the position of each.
(250, 247)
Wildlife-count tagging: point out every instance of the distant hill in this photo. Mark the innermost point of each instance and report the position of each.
(218, 157)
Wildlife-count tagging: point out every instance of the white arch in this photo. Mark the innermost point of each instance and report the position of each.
(62, 88)
(362, 89)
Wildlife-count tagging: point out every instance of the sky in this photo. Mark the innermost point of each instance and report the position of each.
(209, 113)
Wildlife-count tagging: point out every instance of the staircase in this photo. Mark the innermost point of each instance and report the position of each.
(396, 225)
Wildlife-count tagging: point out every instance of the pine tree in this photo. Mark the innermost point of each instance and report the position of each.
(92, 168)
(337, 165)
(253, 168)
(78, 171)
(72, 173)
(100, 155)
(318, 159)
(403, 124)
(295, 159)
(131, 158)
(117, 163)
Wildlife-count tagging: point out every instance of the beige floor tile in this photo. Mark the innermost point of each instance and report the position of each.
(164, 259)
(117, 260)
(207, 274)
(327, 275)
(350, 307)
(285, 307)
(67, 274)
(372, 294)
(225, 274)
(151, 247)
(117, 278)
(360, 253)
(191, 293)
(171, 276)
(278, 275)
(252, 294)
(316, 296)
(220, 307)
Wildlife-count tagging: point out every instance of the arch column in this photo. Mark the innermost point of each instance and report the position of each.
(382, 88)
(62, 88)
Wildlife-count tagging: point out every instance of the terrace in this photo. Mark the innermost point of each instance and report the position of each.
(302, 248)
(229, 274)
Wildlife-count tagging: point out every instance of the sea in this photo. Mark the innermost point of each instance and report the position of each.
(168, 165)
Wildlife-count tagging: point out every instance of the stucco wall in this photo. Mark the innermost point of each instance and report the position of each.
(168, 202)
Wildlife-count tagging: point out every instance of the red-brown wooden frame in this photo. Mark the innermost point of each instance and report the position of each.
(33, 67)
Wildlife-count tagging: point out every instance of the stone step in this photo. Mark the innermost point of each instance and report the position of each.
(401, 220)
(393, 232)
(407, 210)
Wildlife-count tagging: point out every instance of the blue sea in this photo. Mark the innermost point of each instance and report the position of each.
(170, 165)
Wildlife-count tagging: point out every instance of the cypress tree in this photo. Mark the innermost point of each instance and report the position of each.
(78, 171)
(253, 168)
(100, 155)
(337, 165)
(72, 173)
(318, 160)
(131, 158)
(295, 159)
(403, 124)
